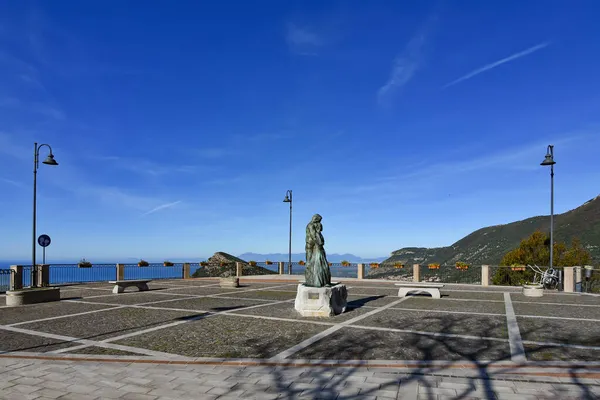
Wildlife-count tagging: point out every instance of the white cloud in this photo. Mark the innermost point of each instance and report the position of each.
(162, 207)
(302, 36)
(498, 63)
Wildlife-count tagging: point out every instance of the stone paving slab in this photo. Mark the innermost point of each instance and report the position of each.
(355, 301)
(213, 304)
(267, 295)
(554, 353)
(559, 299)
(13, 315)
(79, 293)
(226, 336)
(106, 324)
(479, 295)
(13, 341)
(287, 311)
(424, 321)
(454, 305)
(133, 298)
(93, 350)
(199, 290)
(362, 344)
(559, 331)
(557, 311)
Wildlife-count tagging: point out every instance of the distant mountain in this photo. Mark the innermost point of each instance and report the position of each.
(489, 245)
(334, 258)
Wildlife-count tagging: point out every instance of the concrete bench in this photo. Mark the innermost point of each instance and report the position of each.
(420, 287)
(142, 284)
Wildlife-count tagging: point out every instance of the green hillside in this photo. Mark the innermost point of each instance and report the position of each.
(488, 245)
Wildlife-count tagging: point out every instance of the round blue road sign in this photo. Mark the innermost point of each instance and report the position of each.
(44, 240)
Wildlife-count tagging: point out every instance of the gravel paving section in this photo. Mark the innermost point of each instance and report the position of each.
(553, 353)
(199, 291)
(586, 333)
(13, 341)
(471, 295)
(428, 303)
(574, 299)
(355, 301)
(93, 350)
(134, 298)
(360, 344)
(461, 324)
(557, 311)
(12, 315)
(100, 326)
(213, 304)
(265, 295)
(80, 293)
(286, 310)
(226, 336)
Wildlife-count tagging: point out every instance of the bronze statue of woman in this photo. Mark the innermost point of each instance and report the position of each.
(317, 268)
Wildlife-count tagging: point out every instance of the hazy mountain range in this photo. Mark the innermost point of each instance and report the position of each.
(333, 257)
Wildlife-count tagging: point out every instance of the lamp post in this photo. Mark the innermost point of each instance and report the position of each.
(549, 160)
(288, 199)
(36, 164)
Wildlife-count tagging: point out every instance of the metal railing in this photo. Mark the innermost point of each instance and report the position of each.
(154, 271)
(5, 280)
(72, 273)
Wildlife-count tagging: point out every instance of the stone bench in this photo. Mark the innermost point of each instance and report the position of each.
(142, 284)
(420, 287)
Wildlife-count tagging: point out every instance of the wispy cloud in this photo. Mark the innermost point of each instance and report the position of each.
(498, 63)
(145, 167)
(407, 63)
(161, 207)
(13, 183)
(304, 40)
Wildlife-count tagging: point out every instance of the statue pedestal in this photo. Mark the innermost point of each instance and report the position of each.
(321, 302)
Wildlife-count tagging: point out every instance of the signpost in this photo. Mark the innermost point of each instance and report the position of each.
(44, 241)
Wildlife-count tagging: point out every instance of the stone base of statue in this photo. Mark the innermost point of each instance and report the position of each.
(321, 302)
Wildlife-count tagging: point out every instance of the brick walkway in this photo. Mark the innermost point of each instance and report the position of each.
(82, 380)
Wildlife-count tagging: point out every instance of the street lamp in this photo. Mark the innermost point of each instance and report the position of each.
(36, 164)
(549, 160)
(288, 199)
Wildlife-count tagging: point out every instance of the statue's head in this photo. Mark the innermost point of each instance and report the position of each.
(316, 218)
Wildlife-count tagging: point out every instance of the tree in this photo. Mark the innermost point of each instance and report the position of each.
(536, 250)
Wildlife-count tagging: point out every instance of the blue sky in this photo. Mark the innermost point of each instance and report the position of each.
(179, 126)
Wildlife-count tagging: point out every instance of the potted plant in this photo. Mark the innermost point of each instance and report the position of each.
(168, 264)
(301, 262)
(398, 265)
(143, 263)
(462, 266)
(83, 263)
(268, 262)
(434, 266)
(533, 289)
(345, 263)
(252, 263)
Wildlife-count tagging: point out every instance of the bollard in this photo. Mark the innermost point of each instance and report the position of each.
(485, 275)
(238, 269)
(120, 272)
(186, 271)
(280, 267)
(360, 274)
(43, 275)
(416, 273)
(16, 277)
(568, 279)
